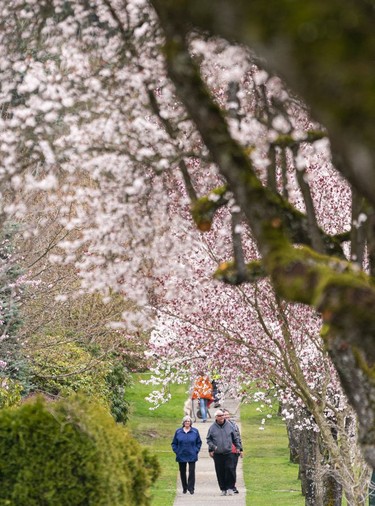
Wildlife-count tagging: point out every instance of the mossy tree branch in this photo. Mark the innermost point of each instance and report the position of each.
(296, 223)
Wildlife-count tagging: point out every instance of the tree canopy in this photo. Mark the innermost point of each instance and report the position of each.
(255, 117)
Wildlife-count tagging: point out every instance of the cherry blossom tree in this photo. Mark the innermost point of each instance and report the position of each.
(306, 274)
(90, 118)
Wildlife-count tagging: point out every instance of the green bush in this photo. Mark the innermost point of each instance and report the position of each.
(10, 392)
(62, 368)
(71, 453)
(117, 380)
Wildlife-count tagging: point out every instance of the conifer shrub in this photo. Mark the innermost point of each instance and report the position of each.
(71, 453)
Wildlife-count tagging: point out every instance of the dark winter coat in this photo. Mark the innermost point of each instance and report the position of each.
(237, 430)
(186, 445)
(221, 437)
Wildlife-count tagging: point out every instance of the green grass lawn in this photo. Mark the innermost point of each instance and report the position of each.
(155, 430)
(270, 478)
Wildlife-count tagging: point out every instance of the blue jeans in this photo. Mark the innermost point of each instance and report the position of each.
(203, 407)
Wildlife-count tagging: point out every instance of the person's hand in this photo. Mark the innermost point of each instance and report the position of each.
(211, 454)
(241, 455)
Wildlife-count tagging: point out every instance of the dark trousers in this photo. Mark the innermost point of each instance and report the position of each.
(225, 471)
(187, 483)
(235, 457)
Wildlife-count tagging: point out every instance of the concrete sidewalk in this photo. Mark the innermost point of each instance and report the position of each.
(206, 487)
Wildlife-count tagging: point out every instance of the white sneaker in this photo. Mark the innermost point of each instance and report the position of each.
(230, 492)
(223, 492)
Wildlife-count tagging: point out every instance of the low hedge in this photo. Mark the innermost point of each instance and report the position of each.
(71, 453)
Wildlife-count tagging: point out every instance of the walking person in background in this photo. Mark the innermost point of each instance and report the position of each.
(216, 392)
(187, 444)
(202, 390)
(220, 438)
(235, 453)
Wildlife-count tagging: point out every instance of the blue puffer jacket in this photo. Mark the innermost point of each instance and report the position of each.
(186, 445)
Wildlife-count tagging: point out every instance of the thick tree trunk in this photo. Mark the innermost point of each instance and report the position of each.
(332, 491)
(309, 468)
(303, 465)
(319, 487)
(294, 437)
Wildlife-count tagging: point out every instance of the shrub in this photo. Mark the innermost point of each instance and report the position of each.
(117, 380)
(62, 368)
(10, 392)
(71, 453)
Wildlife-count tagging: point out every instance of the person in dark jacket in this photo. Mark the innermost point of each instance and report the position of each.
(187, 444)
(220, 437)
(235, 453)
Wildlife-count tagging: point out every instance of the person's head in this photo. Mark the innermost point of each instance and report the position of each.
(187, 421)
(219, 417)
(226, 414)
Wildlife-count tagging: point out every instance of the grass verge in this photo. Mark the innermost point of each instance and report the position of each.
(269, 476)
(155, 430)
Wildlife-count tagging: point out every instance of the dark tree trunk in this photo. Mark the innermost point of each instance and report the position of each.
(372, 490)
(309, 449)
(332, 491)
(294, 437)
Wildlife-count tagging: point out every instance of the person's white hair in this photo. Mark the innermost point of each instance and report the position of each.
(219, 412)
(187, 418)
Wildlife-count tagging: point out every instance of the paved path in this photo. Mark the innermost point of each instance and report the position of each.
(206, 487)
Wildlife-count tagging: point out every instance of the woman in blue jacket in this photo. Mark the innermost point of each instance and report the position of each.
(186, 444)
